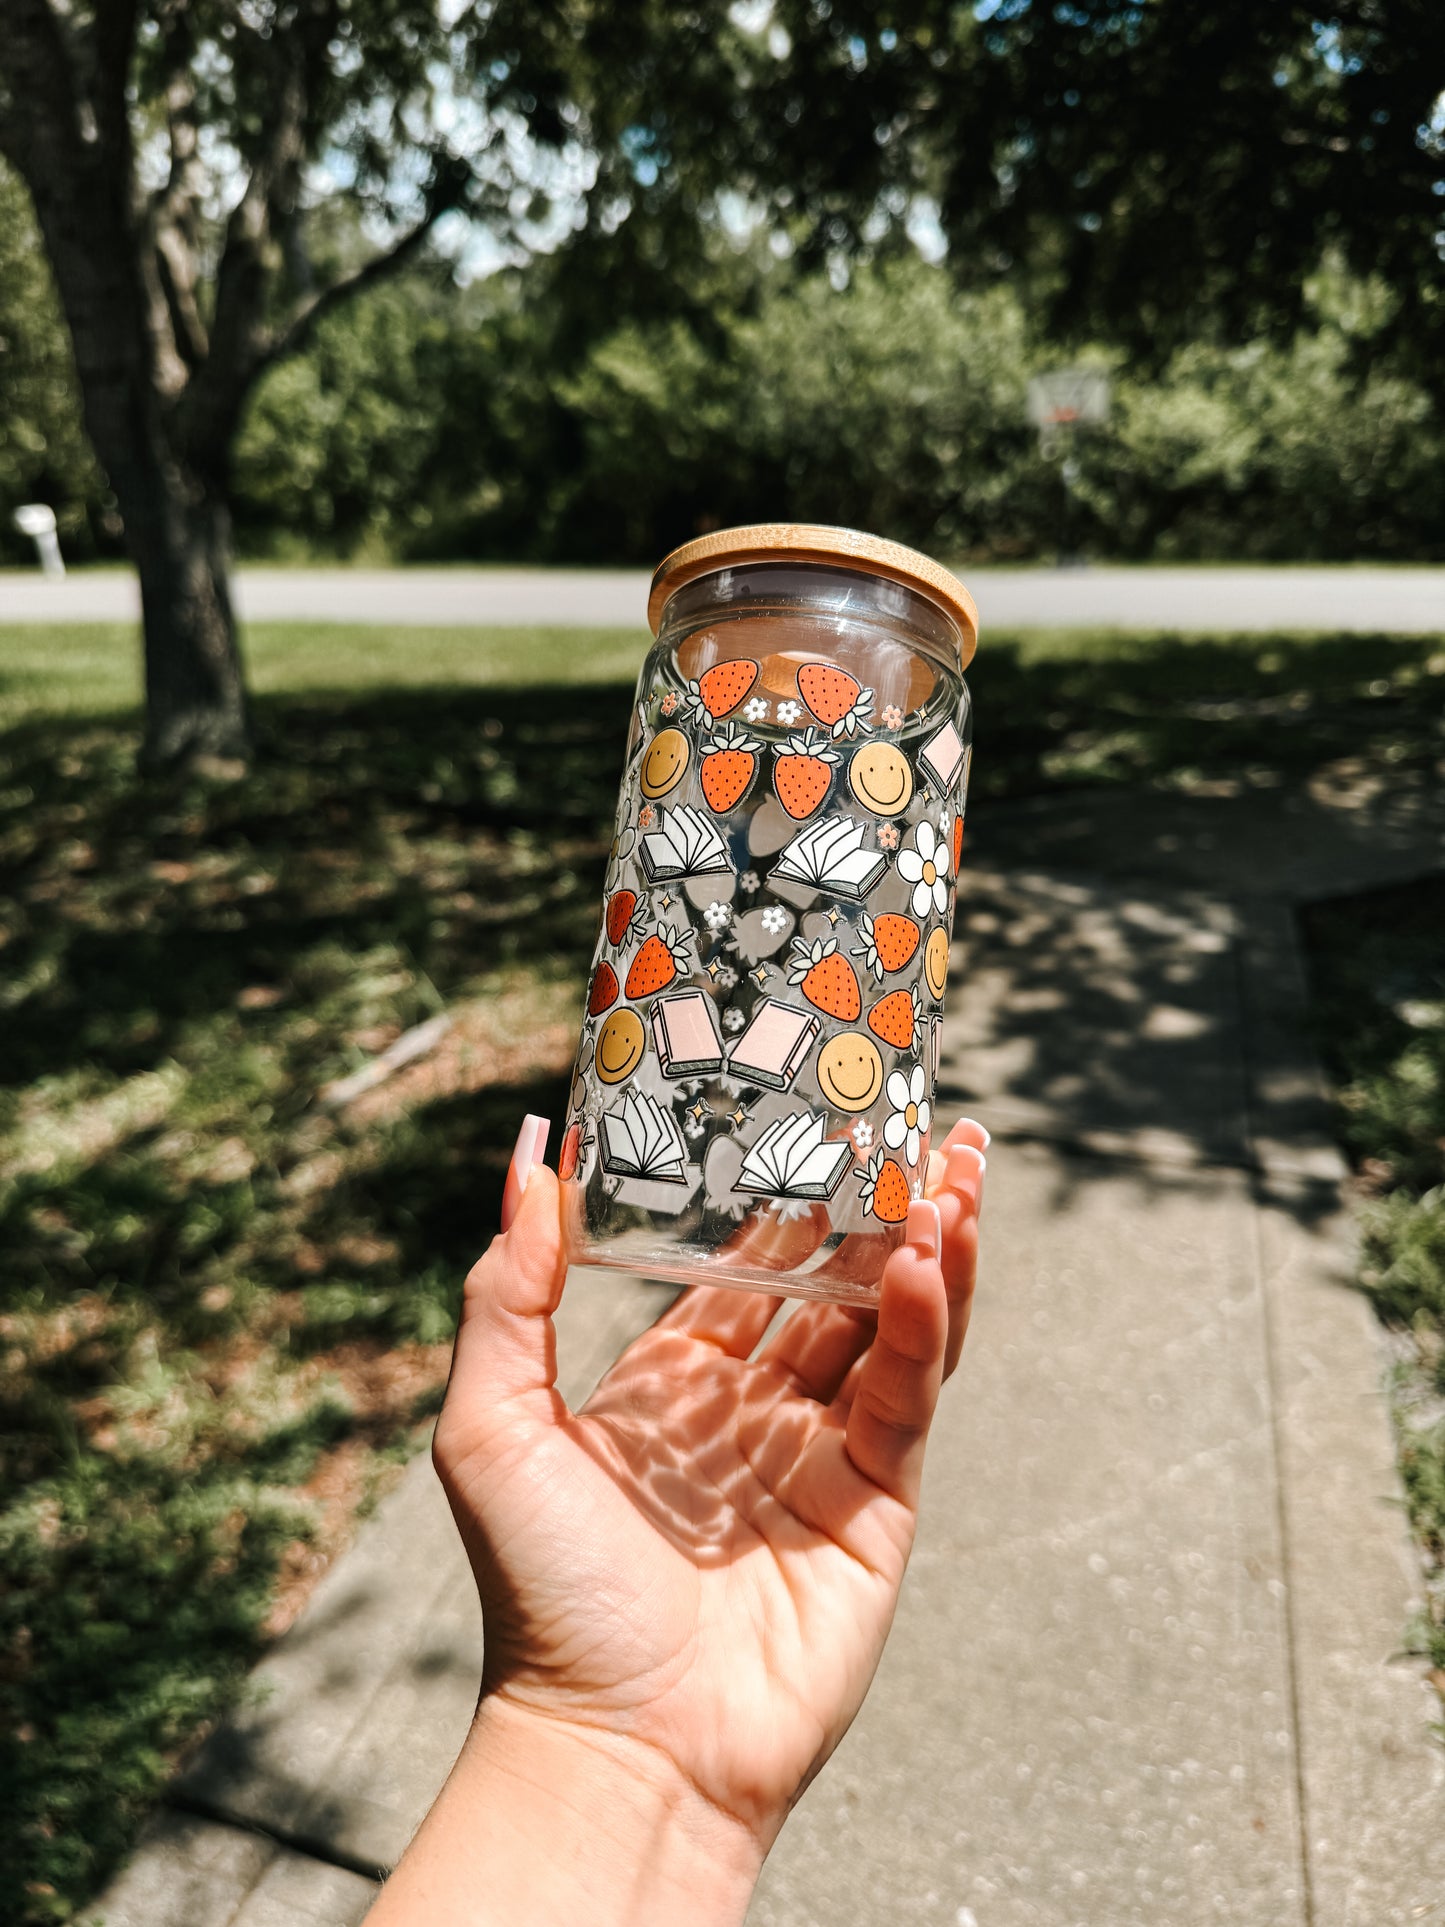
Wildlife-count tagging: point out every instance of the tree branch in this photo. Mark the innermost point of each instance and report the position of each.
(308, 315)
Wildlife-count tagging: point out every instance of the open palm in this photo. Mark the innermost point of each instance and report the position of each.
(706, 1557)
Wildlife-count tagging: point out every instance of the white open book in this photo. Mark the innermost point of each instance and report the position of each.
(686, 845)
(792, 1159)
(641, 1140)
(829, 856)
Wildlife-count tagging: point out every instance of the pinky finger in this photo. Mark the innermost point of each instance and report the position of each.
(893, 1390)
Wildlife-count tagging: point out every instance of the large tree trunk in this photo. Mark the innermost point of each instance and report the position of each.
(178, 534)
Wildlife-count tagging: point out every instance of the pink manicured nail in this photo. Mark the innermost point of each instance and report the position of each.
(925, 1227)
(531, 1148)
(963, 1174)
(968, 1130)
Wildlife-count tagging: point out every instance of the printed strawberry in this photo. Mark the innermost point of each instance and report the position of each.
(838, 700)
(574, 1143)
(884, 1188)
(730, 760)
(828, 981)
(604, 990)
(894, 1018)
(957, 843)
(621, 908)
(888, 943)
(658, 961)
(719, 691)
(802, 771)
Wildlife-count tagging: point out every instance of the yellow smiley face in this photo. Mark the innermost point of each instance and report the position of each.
(935, 960)
(620, 1044)
(850, 1071)
(665, 763)
(881, 778)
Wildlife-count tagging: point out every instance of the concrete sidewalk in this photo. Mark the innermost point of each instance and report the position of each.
(1400, 601)
(1145, 1665)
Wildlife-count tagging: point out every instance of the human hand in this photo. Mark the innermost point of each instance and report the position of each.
(687, 1583)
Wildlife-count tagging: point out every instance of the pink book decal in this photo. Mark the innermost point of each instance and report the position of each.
(684, 1031)
(775, 1045)
(942, 755)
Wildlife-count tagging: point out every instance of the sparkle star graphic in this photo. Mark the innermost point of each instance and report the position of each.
(760, 976)
(833, 914)
(697, 1112)
(739, 1117)
(714, 970)
(667, 901)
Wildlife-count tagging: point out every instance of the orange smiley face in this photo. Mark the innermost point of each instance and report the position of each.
(881, 777)
(665, 764)
(850, 1071)
(620, 1044)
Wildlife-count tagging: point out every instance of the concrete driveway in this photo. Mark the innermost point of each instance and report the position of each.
(1404, 601)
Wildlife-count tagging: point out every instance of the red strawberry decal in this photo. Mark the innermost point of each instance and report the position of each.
(888, 943)
(827, 980)
(895, 1019)
(604, 990)
(802, 773)
(957, 843)
(568, 1155)
(729, 763)
(722, 688)
(838, 700)
(885, 1191)
(659, 960)
(621, 907)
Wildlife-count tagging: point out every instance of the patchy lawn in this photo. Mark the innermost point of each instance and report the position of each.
(226, 1309)
(1379, 972)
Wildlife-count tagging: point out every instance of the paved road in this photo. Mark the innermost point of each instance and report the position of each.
(1398, 601)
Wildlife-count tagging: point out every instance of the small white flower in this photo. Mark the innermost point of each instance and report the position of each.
(863, 1134)
(748, 882)
(892, 717)
(717, 917)
(926, 868)
(909, 1119)
(789, 713)
(774, 919)
(692, 1125)
(733, 1019)
(726, 977)
(756, 710)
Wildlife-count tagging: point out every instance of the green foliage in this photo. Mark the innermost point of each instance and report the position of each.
(43, 453)
(1379, 966)
(475, 428)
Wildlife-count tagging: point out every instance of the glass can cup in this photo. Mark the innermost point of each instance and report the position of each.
(752, 1102)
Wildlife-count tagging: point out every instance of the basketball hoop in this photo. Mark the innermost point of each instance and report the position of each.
(1066, 399)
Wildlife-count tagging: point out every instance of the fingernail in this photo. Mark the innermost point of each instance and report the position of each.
(925, 1227)
(531, 1148)
(966, 1124)
(963, 1174)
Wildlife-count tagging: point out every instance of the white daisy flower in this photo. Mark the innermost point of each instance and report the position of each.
(733, 1019)
(774, 919)
(926, 868)
(748, 882)
(789, 713)
(717, 917)
(756, 710)
(911, 1115)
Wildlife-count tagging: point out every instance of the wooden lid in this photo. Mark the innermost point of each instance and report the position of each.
(814, 542)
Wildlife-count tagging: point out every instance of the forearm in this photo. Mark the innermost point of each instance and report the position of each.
(541, 1823)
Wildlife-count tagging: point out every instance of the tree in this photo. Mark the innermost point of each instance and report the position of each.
(172, 149)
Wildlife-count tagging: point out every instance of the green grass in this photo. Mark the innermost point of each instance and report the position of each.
(1379, 972)
(223, 1307)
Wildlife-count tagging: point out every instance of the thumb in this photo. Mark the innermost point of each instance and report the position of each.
(506, 1346)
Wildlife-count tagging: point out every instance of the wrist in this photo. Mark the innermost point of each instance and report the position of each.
(547, 1820)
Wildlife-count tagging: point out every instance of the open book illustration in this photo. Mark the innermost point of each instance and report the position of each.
(687, 845)
(641, 1140)
(775, 1045)
(942, 755)
(684, 1031)
(792, 1159)
(829, 856)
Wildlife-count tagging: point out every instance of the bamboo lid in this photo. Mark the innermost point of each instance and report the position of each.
(814, 542)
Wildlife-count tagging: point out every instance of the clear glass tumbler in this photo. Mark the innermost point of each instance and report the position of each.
(753, 1097)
